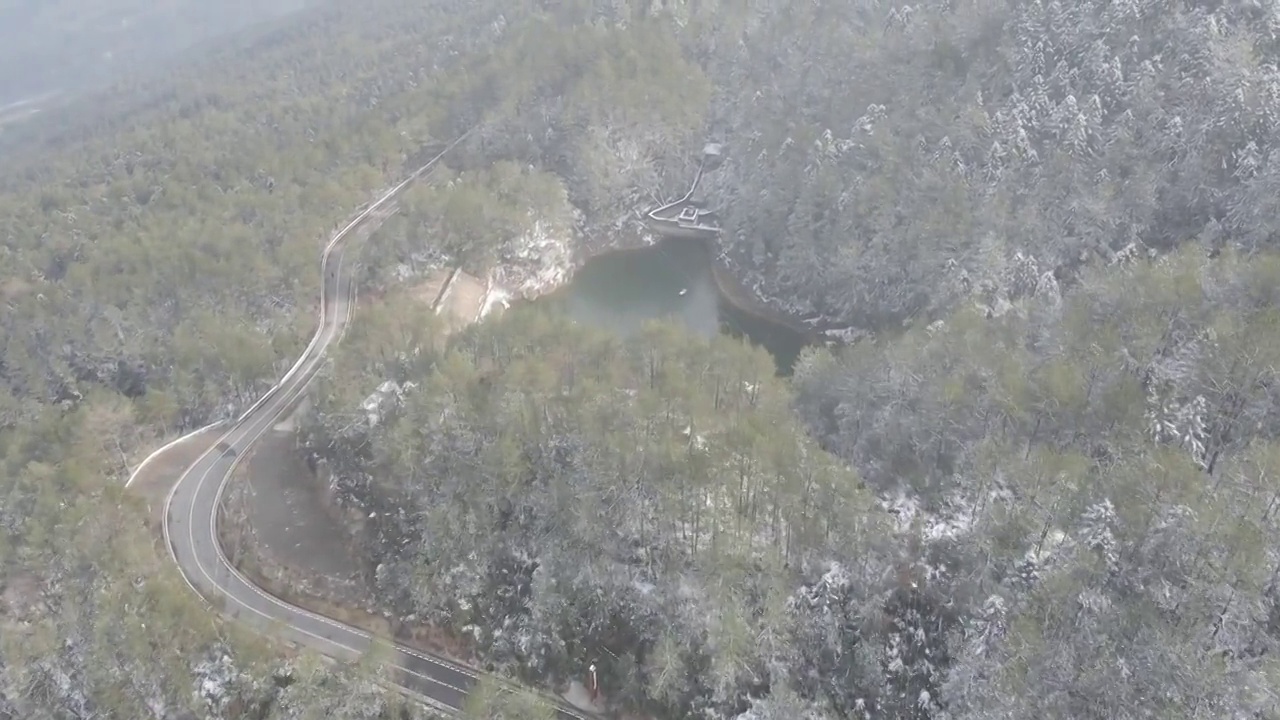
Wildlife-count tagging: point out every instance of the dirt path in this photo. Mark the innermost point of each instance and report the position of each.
(290, 522)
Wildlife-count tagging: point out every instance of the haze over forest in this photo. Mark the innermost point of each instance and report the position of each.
(1028, 467)
(51, 46)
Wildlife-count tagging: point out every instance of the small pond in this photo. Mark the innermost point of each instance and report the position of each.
(673, 279)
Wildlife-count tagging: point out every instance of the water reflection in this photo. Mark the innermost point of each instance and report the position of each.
(671, 280)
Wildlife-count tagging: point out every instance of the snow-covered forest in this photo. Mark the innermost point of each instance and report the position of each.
(1048, 476)
(1043, 487)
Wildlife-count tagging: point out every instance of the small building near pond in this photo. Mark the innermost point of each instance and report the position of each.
(686, 219)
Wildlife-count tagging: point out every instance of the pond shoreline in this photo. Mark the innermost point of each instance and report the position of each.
(624, 278)
(733, 289)
(742, 311)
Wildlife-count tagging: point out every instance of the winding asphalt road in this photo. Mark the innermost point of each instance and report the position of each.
(190, 515)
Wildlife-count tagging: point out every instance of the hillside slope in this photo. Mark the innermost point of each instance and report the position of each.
(1047, 487)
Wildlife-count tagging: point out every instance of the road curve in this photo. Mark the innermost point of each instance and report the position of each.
(190, 513)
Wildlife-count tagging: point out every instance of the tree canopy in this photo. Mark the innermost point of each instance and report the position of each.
(1043, 489)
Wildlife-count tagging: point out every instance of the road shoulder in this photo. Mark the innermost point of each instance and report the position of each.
(157, 475)
(276, 529)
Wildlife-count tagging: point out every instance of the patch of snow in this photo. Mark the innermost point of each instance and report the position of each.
(906, 512)
(698, 440)
(375, 404)
(1040, 553)
(497, 295)
(216, 678)
(538, 261)
(844, 335)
